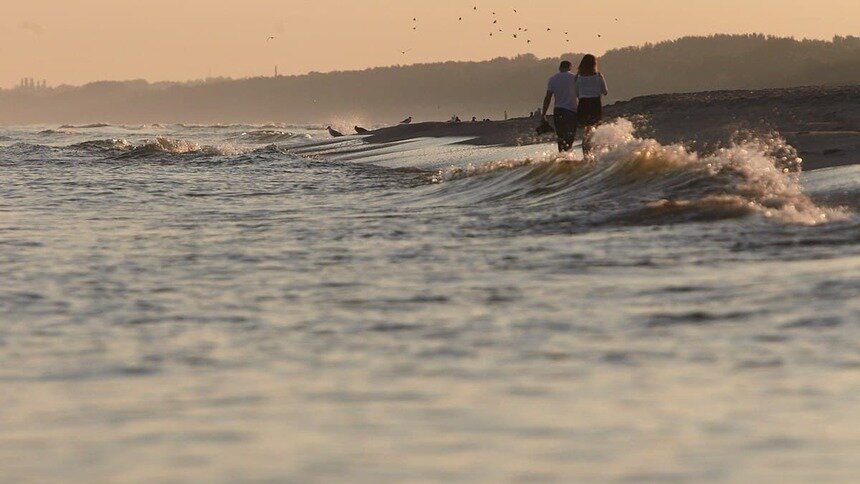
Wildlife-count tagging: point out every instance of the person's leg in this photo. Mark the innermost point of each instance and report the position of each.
(570, 131)
(587, 132)
(562, 128)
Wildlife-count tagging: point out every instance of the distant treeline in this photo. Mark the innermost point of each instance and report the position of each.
(438, 91)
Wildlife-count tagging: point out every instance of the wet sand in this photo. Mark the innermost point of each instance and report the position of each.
(823, 123)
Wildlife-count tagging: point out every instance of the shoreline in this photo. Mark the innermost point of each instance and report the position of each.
(822, 123)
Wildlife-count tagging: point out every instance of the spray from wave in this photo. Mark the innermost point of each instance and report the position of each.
(634, 180)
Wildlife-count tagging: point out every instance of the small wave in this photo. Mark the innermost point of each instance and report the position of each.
(634, 180)
(103, 145)
(140, 127)
(54, 132)
(271, 136)
(161, 146)
(211, 126)
(85, 126)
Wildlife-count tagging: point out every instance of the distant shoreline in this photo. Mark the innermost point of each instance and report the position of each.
(822, 123)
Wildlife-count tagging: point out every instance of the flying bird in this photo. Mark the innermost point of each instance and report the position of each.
(270, 38)
(404, 52)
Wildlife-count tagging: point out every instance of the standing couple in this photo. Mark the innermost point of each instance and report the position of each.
(577, 102)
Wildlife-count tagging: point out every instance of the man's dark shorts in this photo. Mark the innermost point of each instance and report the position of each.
(565, 127)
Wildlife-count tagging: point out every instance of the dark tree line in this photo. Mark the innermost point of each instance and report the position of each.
(437, 91)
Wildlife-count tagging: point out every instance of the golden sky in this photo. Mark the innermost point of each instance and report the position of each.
(77, 41)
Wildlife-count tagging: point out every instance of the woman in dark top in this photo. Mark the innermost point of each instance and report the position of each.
(590, 88)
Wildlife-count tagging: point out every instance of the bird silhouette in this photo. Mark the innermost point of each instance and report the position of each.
(404, 52)
(270, 38)
(407, 120)
(334, 133)
(360, 130)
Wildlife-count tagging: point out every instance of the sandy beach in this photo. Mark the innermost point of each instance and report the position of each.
(822, 123)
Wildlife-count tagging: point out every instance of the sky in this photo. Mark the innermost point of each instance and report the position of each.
(79, 41)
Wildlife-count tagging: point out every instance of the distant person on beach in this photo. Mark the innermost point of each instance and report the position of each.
(590, 88)
(562, 87)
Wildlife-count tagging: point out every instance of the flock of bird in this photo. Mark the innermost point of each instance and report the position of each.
(521, 33)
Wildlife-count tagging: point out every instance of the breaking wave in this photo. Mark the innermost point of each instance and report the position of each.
(635, 180)
(161, 146)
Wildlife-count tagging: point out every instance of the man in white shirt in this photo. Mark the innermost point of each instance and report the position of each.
(562, 86)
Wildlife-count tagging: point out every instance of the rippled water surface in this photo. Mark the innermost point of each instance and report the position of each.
(238, 303)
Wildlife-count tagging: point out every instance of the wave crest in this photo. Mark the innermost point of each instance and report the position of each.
(161, 146)
(633, 179)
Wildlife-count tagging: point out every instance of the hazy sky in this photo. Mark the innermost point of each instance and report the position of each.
(77, 41)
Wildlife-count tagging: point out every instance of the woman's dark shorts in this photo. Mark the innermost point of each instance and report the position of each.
(590, 111)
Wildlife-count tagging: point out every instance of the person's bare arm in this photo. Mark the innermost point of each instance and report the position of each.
(546, 102)
(603, 85)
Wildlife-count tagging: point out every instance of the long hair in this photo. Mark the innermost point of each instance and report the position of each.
(588, 66)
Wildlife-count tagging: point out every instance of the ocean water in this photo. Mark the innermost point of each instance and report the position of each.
(265, 304)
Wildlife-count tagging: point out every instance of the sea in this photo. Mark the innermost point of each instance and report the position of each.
(237, 303)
